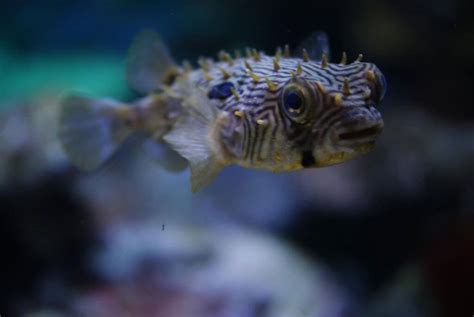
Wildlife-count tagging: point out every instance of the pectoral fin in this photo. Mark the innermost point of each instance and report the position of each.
(194, 137)
(164, 156)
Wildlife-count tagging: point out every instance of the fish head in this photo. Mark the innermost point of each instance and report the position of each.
(334, 112)
(312, 115)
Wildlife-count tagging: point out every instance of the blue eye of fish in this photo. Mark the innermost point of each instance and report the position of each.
(221, 91)
(293, 101)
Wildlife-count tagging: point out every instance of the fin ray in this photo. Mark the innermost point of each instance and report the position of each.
(164, 155)
(91, 130)
(192, 138)
(149, 62)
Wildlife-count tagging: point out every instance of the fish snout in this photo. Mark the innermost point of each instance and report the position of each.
(361, 127)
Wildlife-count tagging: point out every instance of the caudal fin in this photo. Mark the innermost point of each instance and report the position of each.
(90, 130)
(149, 64)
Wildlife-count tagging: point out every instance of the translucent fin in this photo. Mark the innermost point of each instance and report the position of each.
(316, 45)
(90, 130)
(149, 62)
(191, 137)
(165, 156)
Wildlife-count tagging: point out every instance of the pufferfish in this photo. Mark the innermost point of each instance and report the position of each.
(279, 113)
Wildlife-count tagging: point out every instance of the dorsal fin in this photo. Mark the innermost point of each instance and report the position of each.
(149, 63)
(316, 44)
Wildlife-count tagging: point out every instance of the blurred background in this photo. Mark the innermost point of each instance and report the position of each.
(389, 234)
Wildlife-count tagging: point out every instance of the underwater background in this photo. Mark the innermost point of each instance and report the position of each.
(388, 234)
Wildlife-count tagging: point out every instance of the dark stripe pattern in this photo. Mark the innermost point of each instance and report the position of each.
(257, 102)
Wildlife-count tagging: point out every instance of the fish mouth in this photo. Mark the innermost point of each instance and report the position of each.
(365, 133)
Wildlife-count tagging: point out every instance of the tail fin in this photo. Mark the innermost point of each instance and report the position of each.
(90, 130)
(149, 63)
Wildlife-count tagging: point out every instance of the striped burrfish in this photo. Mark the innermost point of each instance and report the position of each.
(280, 113)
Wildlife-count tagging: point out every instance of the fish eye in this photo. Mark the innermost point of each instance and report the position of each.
(295, 103)
(221, 91)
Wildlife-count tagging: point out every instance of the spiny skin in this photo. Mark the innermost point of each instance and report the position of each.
(338, 121)
(279, 113)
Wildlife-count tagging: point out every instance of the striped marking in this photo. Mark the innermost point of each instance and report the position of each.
(259, 142)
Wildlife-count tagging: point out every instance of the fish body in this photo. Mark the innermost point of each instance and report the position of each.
(279, 113)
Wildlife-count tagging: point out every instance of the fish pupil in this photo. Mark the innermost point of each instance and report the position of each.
(293, 101)
(221, 91)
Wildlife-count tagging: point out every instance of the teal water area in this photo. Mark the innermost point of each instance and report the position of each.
(27, 76)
